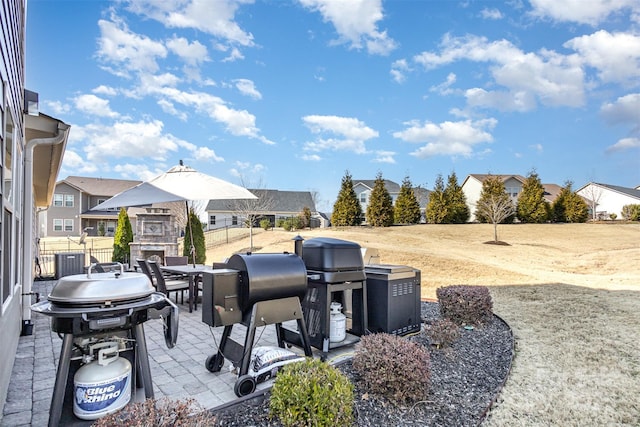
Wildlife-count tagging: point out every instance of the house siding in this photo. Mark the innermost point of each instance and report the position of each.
(609, 200)
(64, 213)
(12, 45)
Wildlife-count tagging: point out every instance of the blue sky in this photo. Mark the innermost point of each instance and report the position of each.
(290, 94)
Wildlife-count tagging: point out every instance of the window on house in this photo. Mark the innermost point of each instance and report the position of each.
(68, 200)
(363, 197)
(234, 220)
(212, 220)
(58, 200)
(57, 225)
(111, 227)
(68, 225)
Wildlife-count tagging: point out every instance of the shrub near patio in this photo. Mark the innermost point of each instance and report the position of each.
(465, 305)
(393, 367)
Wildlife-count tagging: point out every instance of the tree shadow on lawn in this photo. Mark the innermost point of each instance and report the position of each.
(576, 357)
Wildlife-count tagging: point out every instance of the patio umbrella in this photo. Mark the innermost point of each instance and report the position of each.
(178, 183)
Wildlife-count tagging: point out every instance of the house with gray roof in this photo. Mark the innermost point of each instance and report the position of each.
(70, 214)
(271, 204)
(605, 199)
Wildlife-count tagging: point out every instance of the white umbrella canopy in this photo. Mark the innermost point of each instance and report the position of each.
(178, 183)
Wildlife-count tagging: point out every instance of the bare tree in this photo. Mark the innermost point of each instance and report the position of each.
(179, 210)
(593, 194)
(496, 208)
(249, 210)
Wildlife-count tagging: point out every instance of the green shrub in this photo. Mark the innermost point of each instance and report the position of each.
(265, 224)
(280, 222)
(631, 212)
(311, 393)
(293, 223)
(442, 332)
(159, 413)
(393, 367)
(464, 304)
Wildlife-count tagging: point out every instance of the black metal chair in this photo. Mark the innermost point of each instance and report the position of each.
(144, 266)
(166, 286)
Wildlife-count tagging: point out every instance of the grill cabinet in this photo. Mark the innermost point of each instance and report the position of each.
(393, 297)
(334, 270)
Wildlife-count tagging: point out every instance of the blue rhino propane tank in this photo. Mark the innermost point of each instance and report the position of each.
(102, 386)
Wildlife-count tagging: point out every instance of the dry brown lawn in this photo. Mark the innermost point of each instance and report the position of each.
(570, 292)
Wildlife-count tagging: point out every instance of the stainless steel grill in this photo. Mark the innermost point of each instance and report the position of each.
(89, 308)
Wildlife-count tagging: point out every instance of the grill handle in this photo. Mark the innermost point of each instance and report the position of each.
(93, 265)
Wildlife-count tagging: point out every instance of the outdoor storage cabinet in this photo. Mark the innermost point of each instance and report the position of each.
(393, 299)
(68, 263)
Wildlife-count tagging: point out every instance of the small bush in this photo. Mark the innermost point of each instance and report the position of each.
(393, 367)
(464, 304)
(265, 224)
(442, 332)
(311, 393)
(159, 413)
(631, 212)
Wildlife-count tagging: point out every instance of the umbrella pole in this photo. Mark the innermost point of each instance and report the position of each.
(192, 249)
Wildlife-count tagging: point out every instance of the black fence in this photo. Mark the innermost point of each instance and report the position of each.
(45, 263)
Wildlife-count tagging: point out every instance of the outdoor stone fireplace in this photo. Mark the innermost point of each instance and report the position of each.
(156, 235)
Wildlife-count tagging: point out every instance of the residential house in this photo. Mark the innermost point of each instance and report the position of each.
(70, 214)
(364, 187)
(271, 204)
(607, 199)
(472, 188)
(31, 149)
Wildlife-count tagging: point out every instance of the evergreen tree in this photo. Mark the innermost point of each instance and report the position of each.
(407, 209)
(380, 208)
(493, 194)
(457, 209)
(437, 209)
(123, 236)
(532, 207)
(346, 209)
(194, 227)
(569, 206)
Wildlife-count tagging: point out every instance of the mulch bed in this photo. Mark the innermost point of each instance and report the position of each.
(466, 378)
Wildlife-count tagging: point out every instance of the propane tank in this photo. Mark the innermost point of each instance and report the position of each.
(338, 323)
(102, 386)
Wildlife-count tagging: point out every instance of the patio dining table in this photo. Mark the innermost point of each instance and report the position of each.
(193, 272)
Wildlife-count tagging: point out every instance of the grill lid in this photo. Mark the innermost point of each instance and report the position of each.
(101, 288)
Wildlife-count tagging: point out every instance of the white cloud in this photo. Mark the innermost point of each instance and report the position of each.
(169, 108)
(248, 88)
(217, 19)
(399, 69)
(206, 153)
(311, 157)
(105, 90)
(492, 14)
(384, 157)
(444, 88)
(95, 106)
(191, 53)
(447, 138)
(57, 107)
(626, 109)
(127, 139)
(248, 172)
(121, 48)
(585, 12)
(351, 134)
(616, 56)
(624, 144)
(544, 77)
(74, 164)
(355, 22)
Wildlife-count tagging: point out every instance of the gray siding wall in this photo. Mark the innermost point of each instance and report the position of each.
(12, 60)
